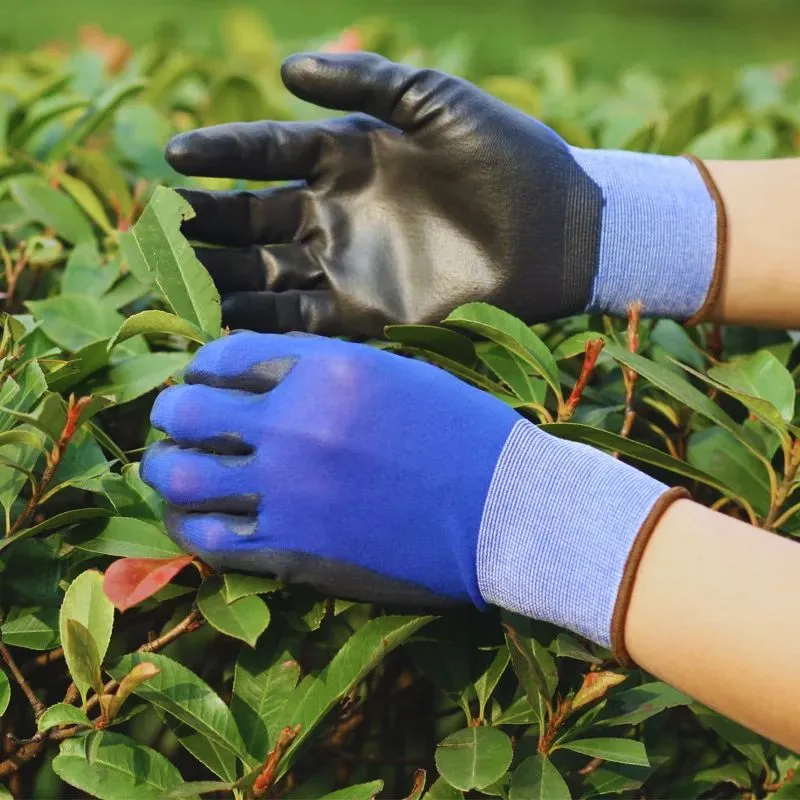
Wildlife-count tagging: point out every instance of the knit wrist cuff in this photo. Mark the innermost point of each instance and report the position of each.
(662, 237)
(562, 533)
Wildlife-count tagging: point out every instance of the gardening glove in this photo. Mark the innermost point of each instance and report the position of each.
(376, 477)
(436, 195)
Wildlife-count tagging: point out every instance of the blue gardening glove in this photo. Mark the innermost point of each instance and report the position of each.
(377, 477)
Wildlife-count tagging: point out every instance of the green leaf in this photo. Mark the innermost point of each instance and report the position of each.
(120, 768)
(488, 681)
(51, 207)
(240, 584)
(38, 114)
(317, 694)
(246, 618)
(84, 362)
(575, 345)
(514, 373)
(567, 646)
(263, 681)
(125, 537)
(718, 453)
(221, 761)
(534, 667)
(85, 603)
(678, 388)
(640, 703)
(177, 690)
(33, 629)
(55, 522)
(125, 291)
(75, 321)
(612, 442)
(361, 791)
(86, 274)
(191, 789)
(748, 743)
(156, 322)
(509, 332)
(440, 340)
(537, 779)
(684, 123)
(620, 751)
(474, 757)
(442, 790)
(760, 375)
(181, 277)
(519, 712)
(87, 200)
(80, 653)
(62, 714)
(5, 692)
(98, 169)
(97, 113)
(136, 376)
(615, 778)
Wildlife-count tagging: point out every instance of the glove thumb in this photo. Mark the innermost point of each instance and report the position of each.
(364, 82)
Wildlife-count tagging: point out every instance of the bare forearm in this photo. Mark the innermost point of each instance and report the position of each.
(708, 588)
(761, 280)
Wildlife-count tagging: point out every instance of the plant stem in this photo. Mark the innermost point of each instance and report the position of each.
(74, 410)
(32, 748)
(591, 352)
(629, 375)
(267, 775)
(774, 517)
(36, 704)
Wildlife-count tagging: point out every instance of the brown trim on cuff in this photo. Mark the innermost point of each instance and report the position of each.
(632, 567)
(722, 242)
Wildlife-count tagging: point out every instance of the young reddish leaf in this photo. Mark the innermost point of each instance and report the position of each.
(129, 581)
(595, 685)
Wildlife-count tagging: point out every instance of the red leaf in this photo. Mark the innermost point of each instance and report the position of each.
(129, 581)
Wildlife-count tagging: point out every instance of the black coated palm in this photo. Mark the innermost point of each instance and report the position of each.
(435, 194)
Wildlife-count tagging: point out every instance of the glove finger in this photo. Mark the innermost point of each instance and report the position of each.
(261, 151)
(231, 542)
(242, 218)
(214, 536)
(256, 269)
(197, 480)
(253, 362)
(394, 93)
(221, 421)
(280, 312)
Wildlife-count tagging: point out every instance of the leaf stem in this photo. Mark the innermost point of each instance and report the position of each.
(591, 352)
(36, 704)
(629, 375)
(74, 409)
(266, 777)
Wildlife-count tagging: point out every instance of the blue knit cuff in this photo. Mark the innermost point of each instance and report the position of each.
(558, 526)
(658, 240)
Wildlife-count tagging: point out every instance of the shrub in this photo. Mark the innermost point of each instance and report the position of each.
(233, 685)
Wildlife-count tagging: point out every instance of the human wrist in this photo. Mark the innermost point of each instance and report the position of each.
(561, 533)
(662, 235)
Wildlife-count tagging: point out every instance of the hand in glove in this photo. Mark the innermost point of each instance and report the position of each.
(438, 194)
(377, 477)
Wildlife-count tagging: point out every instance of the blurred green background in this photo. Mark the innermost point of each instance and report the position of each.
(669, 36)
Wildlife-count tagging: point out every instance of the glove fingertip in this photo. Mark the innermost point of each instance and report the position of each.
(180, 153)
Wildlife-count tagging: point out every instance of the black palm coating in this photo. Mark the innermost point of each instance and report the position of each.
(335, 578)
(444, 195)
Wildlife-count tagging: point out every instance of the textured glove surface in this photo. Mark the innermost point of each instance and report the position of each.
(324, 462)
(434, 195)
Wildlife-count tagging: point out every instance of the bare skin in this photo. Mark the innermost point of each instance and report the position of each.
(761, 281)
(713, 612)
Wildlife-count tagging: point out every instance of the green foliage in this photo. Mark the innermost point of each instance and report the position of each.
(222, 684)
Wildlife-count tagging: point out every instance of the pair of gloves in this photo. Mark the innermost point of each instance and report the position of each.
(377, 477)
